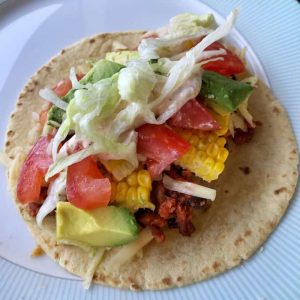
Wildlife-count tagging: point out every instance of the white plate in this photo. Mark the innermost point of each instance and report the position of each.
(32, 32)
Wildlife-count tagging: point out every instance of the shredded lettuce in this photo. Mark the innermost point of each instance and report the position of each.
(105, 148)
(184, 68)
(50, 96)
(188, 23)
(136, 81)
(56, 192)
(189, 188)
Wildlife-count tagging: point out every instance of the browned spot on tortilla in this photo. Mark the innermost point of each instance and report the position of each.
(167, 281)
(247, 232)
(116, 281)
(63, 51)
(284, 175)
(280, 190)
(294, 173)
(66, 262)
(19, 104)
(10, 133)
(48, 69)
(276, 110)
(179, 278)
(294, 151)
(226, 191)
(216, 265)
(12, 115)
(92, 41)
(268, 175)
(205, 270)
(258, 123)
(238, 241)
(271, 225)
(99, 277)
(245, 170)
(35, 82)
(56, 255)
(135, 286)
(12, 157)
(7, 144)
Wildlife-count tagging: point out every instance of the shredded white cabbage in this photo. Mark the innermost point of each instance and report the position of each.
(189, 90)
(189, 188)
(92, 267)
(50, 96)
(184, 68)
(74, 80)
(56, 192)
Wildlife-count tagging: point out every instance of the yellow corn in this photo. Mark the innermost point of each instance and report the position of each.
(133, 192)
(223, 121)
(118, 168)
(207, 155)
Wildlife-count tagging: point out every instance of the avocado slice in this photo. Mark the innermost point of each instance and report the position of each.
(122, 57)
(109, 226)
(102, 69)
(222, 93)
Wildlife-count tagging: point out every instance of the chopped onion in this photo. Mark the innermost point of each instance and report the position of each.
(50, 96)
(189, 188)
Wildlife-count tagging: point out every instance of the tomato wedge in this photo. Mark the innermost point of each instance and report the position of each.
(86, 188)
(161, 145)
(195, 116)
(231, 63)
(63, 86)
(33, 171)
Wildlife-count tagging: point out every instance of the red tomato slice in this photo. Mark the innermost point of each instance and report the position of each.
(62, 88)
(86, 187)
(161, 145)
(33, 171)
(231, 64)
(194, 115)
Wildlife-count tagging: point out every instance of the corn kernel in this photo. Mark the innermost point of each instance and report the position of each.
(132, 179)
(131, 194)
(223, 154)
(212, 150)
(122, 188)
(144, 179)
(221, 142)
(143, 194)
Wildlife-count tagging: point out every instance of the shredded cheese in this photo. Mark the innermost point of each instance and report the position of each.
(127, 252)
(88, 277)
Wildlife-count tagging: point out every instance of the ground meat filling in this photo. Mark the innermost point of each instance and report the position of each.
(173, 209)
(243, 137)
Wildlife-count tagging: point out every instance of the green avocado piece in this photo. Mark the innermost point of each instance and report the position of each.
(222, 92)
(102, 69)
(122, 57)
(109, 226)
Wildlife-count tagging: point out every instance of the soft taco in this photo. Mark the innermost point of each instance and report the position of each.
(159, 163)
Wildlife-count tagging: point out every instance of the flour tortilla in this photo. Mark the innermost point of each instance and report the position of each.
(252, 194)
